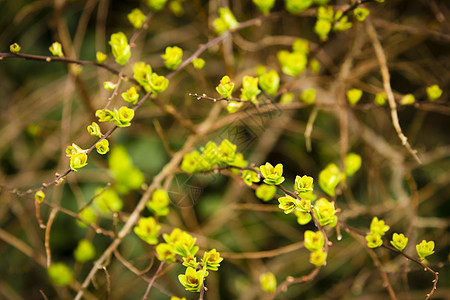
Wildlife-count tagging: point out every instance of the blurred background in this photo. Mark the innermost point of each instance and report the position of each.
(45, 107)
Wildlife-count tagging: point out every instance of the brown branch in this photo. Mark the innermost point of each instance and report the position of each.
(58, 59)
(51, 218)
(381, 57)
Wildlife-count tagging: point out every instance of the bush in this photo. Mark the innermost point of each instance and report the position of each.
(261, 150)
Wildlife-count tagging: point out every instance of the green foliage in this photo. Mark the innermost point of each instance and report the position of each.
(147, 230)
(352, 163)
(292, 63)
(408, 99)
(88, 215)
(353, 96)
(141, 73)
(225, 88)
(198, 63)
(318, 258)
(123, 116)
(225, 21)
(101, 57)
(108, 201)
(303, 218)
(159, 204)
(131, 95)
(399, 241)
(434, 92)
(109, 86)
(249, 89)
(78, 160)
(158, 83)
(84, 252)
(94, 130)
(60, 274)
(165, 252)
(156, 4)
(308, 96)
(250, 177)
(39, 196)
(374, 240)
(378, 226)
(314, 240)
(120, 48)
(303, 184)
(211, 260)
(325, 212)
(425, 249)
(136, 18)
(266, 192)
(192, 280)
(272, 175)
(56, 49)
(102, 147)
(14, 48)
(380, 99)
(324, 22)
(269, 82)
(287, 98)
(289, 204)
(341, 22)
(297, 6)
(264, 5)
(127, 176)
(268, 282)
(361, 13)
(172, 57)
(329, 178)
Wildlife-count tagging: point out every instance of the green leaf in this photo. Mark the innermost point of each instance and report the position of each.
(270, 82)
(147, 230)
(374, 240)
(123, 116)
(425, 249)
(266, 192)
(314, 240)
(14, 48)
(56, 49)
(172, 57)
(136, 18)
(120, 48)
(94, 130)
(60, 274)
(225, 88)
(329, 178)
(102, 146)
(399, 241)
(101, 57)
(85, 251)
(198, 63)
(268, 282)
(39, 196)
(352, 163)
(434, 92)
(308, 96)
(408, 99)
(297, 6)
(325, 212)
(353, 96)
(318, 258)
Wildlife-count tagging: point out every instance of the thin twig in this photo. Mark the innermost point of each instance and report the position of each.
(59, 59)
(153, 280)
(51, 218)
(381, 57)
(309, 128)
